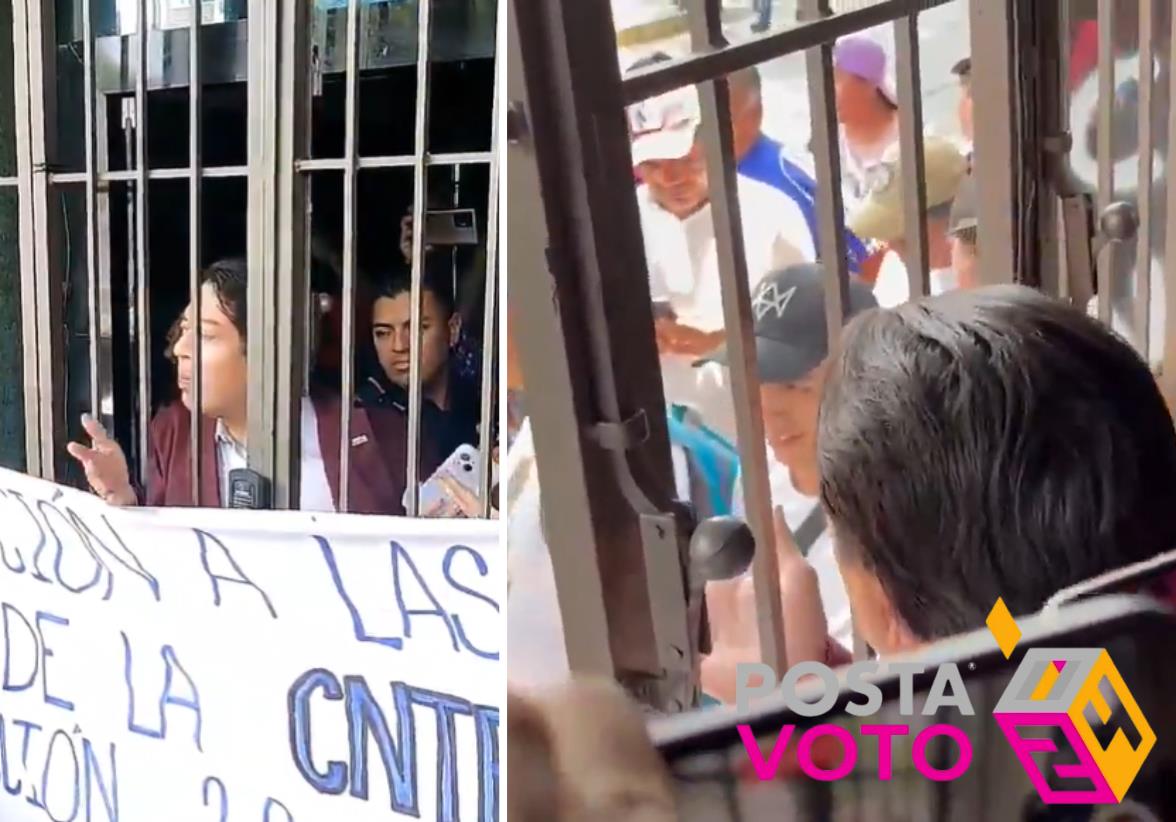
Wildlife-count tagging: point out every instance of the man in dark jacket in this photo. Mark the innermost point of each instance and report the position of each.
(377, 437)
(448, 404)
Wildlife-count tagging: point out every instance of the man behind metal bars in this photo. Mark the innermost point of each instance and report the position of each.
(678, 229)
(882, 217)
(792, 346)
(1014, 445)
(453, 414)
(378, 438)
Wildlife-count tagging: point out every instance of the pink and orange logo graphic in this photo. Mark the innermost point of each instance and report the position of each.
(1061, 699)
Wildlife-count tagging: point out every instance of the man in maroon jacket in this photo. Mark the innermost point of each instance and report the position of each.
(378, 437)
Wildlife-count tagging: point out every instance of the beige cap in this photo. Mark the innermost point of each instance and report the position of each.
(880, 216)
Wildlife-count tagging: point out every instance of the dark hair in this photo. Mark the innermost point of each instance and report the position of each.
(229, 279)
(436, 278)
(992, 443)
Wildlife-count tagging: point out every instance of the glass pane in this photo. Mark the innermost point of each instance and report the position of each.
(461, 97)
(120, 17)
(12, 428)
(7, 104)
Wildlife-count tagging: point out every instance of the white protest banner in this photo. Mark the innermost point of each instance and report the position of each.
(242, 666)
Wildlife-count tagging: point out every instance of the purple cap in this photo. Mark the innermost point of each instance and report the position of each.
(866, 59)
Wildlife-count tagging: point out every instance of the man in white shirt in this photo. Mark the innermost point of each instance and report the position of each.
(867, 109)
(882, 217)
(791, 350)
(678, 230)
(378, 437)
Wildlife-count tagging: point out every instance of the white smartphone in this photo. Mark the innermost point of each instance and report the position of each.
(462, 466)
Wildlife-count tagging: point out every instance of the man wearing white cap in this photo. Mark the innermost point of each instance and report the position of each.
(678, 229)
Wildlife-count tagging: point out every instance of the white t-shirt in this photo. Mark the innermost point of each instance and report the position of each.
(684, 271)
(797, 508)
(893, 285)
(534, 625)
(857, 162)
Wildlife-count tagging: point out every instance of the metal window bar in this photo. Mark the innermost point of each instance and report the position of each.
(294, 90)
(723, 60)
(412, 469)
(142, 247)
(997, 150)
(92, 273)
(1143, 255)
(9, 182)
(22, 116)
(830, 208)
(131, 175)
(1106, 168)
(490, 381)
(398, 161)
(705, 19)
(263, 399)
(194, 240)
(41, 222)
(350, 169)
(914, 174)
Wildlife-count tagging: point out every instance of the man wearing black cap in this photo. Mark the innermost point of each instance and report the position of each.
(792, 345)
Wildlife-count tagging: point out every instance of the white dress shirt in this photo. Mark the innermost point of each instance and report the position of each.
(315, 494)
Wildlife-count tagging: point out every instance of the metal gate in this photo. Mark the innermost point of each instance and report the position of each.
(233, 127)
(581, 309)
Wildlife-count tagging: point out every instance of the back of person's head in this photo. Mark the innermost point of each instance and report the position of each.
(229, 280)
(991, 443)
(436, 279)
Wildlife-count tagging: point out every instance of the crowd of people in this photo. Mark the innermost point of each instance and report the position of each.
(450, 405)
(975, 444)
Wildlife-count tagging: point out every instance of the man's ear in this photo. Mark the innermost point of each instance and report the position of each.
(454, 329)
(874, 614)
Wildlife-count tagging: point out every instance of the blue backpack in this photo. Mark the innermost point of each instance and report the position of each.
(712, 461)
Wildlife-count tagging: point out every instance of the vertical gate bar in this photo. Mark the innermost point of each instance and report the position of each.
(1143, 255)
(91, 138)
(22, 50)
(562, 462)
(142, 245)
(1168, 369)
(996, 151)
(104, 376)
(1106, 168)
(265, 403)
(419, 205)
(490, 383)
(830, 208)
(1050, 101)
(350, 150)
(914, 169)
(827, 158)
(194, 242)
(46, 234)
(718, 145)
(293, 143)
